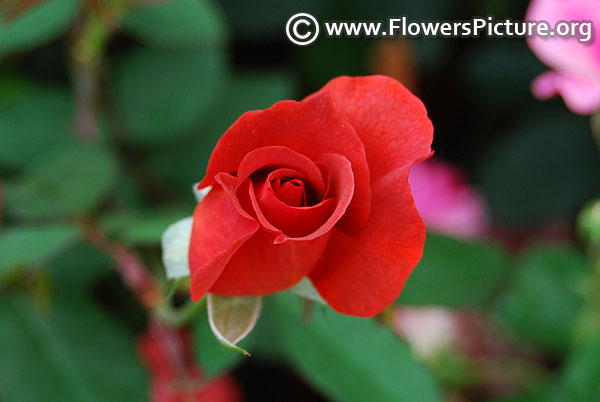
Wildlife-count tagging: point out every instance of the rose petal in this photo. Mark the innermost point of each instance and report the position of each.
(391, 122)
(309, 223)
(281, 156)
(260, 267)
(311, 127)
(288, 187)
(269, 157)
(293, 221)
(218, 231)
(362, 274)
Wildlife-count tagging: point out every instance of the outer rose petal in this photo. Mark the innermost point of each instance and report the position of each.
(260, 267)
(362, 274)
(312, 127)
(218, 231)
(391, 122)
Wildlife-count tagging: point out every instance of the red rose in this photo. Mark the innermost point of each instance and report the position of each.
(319, 188)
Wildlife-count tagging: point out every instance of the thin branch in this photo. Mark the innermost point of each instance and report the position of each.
(86, 95)
(134, 272)
(1, 203)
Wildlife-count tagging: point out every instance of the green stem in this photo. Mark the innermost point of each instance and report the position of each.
(589, 227)
(172, 291)
(177, 317)
(595, 123)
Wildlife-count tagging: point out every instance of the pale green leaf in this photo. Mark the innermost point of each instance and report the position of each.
(175, 248)
(232, 318)
(306, 289)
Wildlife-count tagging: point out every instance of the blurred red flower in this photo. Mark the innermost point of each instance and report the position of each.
(174, 377)
(319, 188)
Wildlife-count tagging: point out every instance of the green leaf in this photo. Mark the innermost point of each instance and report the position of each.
(163, 92)
(67, 269)
(176, 23)
(25, 139)
(232, 318)
(69, 181)
(455, 273)
(350, 359)
(519, 175)
(542, 302)
(580, 379)
(37, 25)
(589, 223)
(71, 353)
(34, 245)
(141, 228)
(212, 356)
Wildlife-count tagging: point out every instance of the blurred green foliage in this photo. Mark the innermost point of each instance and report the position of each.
(332, 351)
(455, 273)
(544, 297)
(69, 352)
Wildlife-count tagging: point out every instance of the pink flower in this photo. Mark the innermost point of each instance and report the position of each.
(445, 200)
(575, 64)
(428, 330)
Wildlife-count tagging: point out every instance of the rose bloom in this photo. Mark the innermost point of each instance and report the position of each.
(576, 65)
(315, 188)
(446, 201)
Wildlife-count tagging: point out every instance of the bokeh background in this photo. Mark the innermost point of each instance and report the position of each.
(109, 111)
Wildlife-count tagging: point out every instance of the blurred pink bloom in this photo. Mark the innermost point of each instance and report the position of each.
(428, 330)
(576, 65)
(445, 200)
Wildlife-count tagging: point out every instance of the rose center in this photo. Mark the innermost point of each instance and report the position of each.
(290, 191)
